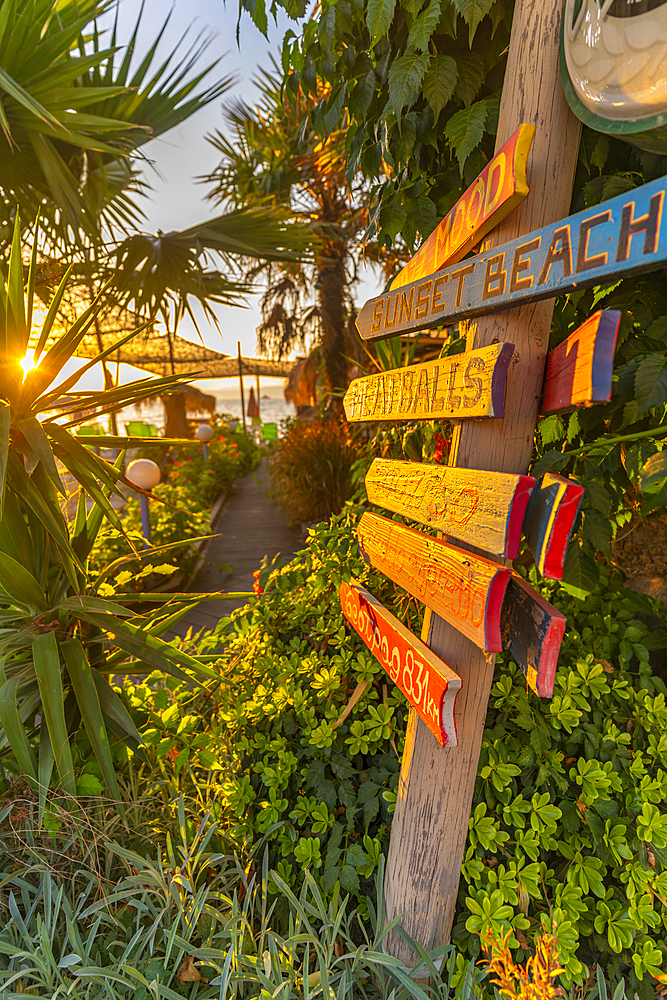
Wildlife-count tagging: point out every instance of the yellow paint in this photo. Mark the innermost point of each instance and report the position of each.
(562, 488)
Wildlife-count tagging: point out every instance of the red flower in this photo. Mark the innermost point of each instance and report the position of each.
(442, 448)
(257, 587)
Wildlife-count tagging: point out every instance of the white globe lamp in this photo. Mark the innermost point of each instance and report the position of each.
(144, 474)
(204, 434)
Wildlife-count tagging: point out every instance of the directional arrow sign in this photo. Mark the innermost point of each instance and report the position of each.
(500, 187)
(484, 509)
(532, 632)
(424, 679)
(465, 386)
(579, 370)
(622, 236)
(465, 589)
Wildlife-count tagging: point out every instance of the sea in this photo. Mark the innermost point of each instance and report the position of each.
(272, 410)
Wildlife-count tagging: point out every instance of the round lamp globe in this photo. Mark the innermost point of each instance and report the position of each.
(143, 473)
(204, 432)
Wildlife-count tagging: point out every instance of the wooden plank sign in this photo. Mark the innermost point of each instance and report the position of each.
(428, 683)
(500, 187)
(532, 632)
(484, 509)
(550, 515)
(620, 237)
(465, 589)
(465, 385)
(579, 370)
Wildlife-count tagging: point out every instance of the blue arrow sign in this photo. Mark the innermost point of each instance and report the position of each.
(625, 235)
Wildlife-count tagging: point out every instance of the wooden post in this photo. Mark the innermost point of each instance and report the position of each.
(430, 825)
(241, 386)
(259, 407)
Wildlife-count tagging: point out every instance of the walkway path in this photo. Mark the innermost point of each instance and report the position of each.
(251, 527)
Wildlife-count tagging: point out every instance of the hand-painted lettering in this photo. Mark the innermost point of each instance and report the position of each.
(584, 262)
(437, 302)
(495, 277)
(474, 365)
(461, 273)
(559, 252)
(648, 224)
(521, 262)
(377, 315)
(405, 311)
(423, 296)
(387, 322)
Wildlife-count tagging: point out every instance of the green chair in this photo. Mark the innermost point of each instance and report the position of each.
(270, 432)
(137, 428)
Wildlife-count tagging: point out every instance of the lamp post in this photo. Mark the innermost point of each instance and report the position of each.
(204, 434)
(144, 474)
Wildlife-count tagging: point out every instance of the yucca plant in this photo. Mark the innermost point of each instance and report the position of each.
(57, 638)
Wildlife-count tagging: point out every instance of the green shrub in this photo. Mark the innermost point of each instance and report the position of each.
(567, 822)
(311, 468)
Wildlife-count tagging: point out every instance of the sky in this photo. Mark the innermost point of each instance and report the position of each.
(177, 200)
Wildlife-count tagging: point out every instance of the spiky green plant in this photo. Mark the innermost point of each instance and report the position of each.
(57, 637)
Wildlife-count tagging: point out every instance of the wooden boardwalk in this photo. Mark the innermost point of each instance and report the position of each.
(251, 526)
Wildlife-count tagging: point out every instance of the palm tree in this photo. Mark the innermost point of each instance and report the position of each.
(274, 160)
(74, 114)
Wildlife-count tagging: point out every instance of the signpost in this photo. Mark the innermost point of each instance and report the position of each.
(485, 509)
(466, 590)
(467, 385)
(430, 824)
(424, 679)
(500, 187)
(476, 605)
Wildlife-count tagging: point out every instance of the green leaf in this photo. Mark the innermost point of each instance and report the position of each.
(393, 217)
(349, 880)
(379, 15)
(19, 584)
(471, 73)
(45, 770)
(581, 574)
(651, 382)
(144, 646)
(115, 713)
(47, 668)
(91, 713)
(5, 424)
(34, 434)
(424, 26)
(405, 77)
(654, 473)
(14, 729)
(440, 83)
(326, 29)
(464, 131)
(472, 12)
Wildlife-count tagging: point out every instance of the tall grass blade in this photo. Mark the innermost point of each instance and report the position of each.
(78, 669)
(49, 678)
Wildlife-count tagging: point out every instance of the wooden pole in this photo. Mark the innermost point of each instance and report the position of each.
(430, 825)
(241, 386)
(259, 408)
